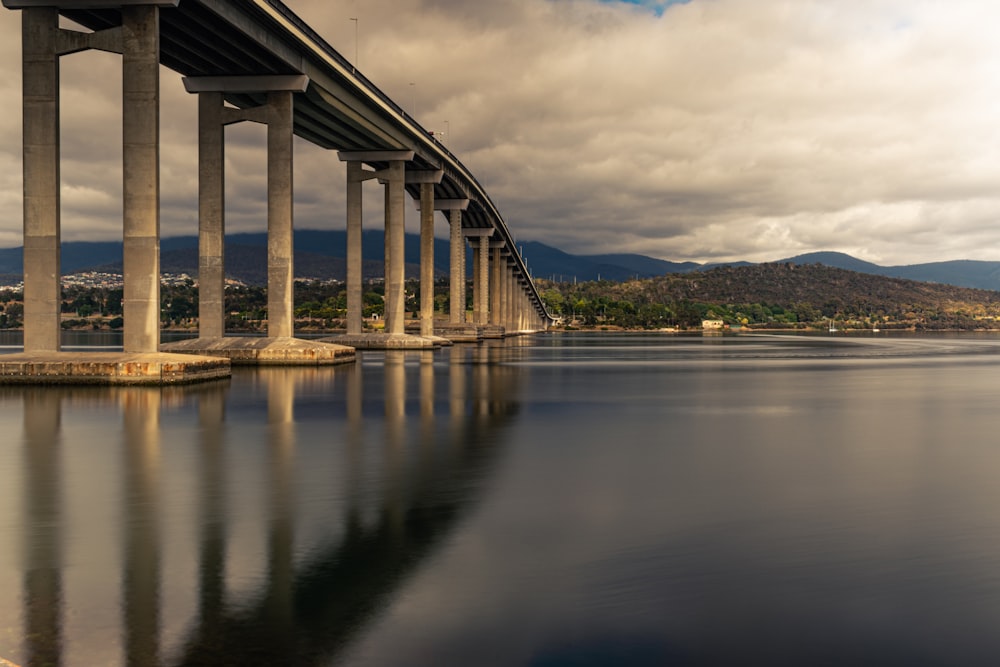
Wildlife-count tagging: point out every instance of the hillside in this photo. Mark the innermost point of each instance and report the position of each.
(783, 294)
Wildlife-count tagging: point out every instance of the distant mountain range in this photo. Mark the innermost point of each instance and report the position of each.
(320, 254)
(554, 264)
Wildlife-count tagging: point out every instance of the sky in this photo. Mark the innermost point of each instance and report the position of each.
(705, 130)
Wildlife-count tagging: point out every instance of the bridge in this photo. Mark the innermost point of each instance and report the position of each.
(249, 61)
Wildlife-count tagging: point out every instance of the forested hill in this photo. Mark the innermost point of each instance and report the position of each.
(777, 293)
(816, 284)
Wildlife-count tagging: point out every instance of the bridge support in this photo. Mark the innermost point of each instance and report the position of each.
(211, 216)
(512, 293)
(280, 270)
(393, 177)
(141, 189)
(456, 329)
(356, 176)
(137, 40)
(279, 347)
(480, 272)
(457, 277)
(42, 290)
(427, 180)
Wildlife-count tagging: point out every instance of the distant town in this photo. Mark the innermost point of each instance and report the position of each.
(763, 296)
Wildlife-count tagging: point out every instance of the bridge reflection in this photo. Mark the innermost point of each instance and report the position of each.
(345, 481)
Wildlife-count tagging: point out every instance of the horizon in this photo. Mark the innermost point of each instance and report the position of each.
(444, 239)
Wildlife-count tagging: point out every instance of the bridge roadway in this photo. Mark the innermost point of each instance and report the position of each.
(252, 60)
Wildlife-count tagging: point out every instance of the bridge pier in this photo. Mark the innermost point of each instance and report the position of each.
(456, 329)
(427, 181)
(279, 347)
(393, 177)
(141, 186)
(480, 273)
(42, 289)
(43, 361)
(457, 278)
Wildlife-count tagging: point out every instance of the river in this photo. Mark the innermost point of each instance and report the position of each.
(546, 501)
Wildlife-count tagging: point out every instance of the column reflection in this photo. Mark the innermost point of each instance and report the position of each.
(395, 439)
(423, 472)
(212, 506)
(141, 532)
(42, 587)
(281, 386)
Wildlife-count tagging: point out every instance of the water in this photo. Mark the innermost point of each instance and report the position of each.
(587, 499)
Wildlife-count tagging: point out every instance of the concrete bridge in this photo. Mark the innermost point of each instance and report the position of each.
(247, 60)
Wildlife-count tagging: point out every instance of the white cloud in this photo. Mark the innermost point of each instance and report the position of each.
(721, 129)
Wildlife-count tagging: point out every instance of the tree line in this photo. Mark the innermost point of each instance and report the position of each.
(775, 296)
(763, 296)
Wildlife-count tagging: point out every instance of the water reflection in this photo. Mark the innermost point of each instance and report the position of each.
(42, 588)
(142, 500)
(350, 480)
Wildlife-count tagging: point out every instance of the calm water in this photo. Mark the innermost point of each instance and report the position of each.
(557, 500)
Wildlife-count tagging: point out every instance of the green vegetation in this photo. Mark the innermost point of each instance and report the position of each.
(773, 296)
(320, 305)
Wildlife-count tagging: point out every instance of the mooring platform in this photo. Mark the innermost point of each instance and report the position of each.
(110, 368)
(259, 351)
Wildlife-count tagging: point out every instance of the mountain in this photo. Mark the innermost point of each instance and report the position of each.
(320, 254)
(961, 272)
(837, 260)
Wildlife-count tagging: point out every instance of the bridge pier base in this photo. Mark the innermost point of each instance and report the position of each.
(279, 346)
(109, 368)
(393, 177)
(266, 351)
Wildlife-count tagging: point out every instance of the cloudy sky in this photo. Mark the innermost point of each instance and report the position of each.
(705, 130)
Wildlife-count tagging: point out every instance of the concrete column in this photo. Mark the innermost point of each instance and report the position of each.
(40, 99)
(508, 312)
(515, 291)
(395, 259)
(456, 314)
(476, 294)
(389, 296)
(480, 273)
(280, 270)
(483, 280)
(141, 166)
(457, 277)
(426, 259)
(355, 179)
(394, 180)
(520, 309)
(211, 216)
(495, 283)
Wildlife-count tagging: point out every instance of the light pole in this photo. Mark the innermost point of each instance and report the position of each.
(413, 100)
(356, 63)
